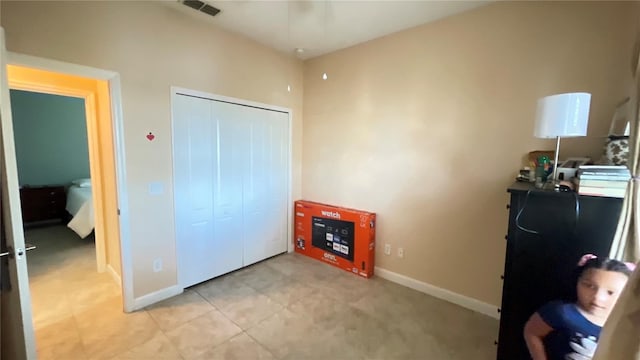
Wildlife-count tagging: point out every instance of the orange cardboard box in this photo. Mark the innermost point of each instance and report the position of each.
(342, 237)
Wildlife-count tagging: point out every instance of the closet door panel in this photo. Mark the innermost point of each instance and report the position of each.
(264, 180)
(193, 138)
(227, 187)
(279, 179)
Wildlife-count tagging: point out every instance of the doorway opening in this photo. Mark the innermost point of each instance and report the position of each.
(70, 273)
(100, 146)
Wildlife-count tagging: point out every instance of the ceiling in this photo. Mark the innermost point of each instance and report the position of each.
(321, 27)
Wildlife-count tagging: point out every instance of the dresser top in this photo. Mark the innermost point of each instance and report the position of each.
(41, 186)
(523, 186)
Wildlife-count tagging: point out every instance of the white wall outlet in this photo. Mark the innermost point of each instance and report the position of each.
(387, 249)
(400, 252)
(157, 265)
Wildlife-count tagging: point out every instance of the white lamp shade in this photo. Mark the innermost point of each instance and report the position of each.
(563, 115)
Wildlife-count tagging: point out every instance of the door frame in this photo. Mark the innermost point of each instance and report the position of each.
(117, 123)
(91, 98)
(175, 90)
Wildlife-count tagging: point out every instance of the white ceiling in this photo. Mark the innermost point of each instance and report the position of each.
(321, 27)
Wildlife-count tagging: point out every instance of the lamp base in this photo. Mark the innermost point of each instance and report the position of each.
(551, 185)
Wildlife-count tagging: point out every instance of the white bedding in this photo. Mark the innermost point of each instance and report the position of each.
(80, 206)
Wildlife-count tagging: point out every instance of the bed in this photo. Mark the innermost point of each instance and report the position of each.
(80, 206)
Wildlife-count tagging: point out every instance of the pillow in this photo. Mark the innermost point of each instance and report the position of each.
(82, 182)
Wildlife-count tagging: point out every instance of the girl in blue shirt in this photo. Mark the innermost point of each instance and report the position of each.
(570, 331)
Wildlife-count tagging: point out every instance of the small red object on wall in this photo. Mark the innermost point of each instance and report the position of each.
(342, 237)
(150, 137)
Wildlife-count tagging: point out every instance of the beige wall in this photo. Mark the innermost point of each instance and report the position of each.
(154, 47)
(428, 127)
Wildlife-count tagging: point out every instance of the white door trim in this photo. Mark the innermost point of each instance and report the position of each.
(18, 335)
(175, 90)
(290, 247)
(118, 133)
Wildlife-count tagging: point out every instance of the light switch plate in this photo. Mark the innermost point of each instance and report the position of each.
(156, 188)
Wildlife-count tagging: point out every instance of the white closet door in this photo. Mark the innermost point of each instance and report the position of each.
(231, 181)
(227, 188)
(265, 184)
(207, 191)
(193, 195)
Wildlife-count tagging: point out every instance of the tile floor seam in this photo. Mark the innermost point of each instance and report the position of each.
(217, 308)
(202, 352)
(184, 322)
(265, 319)
(263, 346)
(270, 297)
(176, 349)
(195, 319)
(227, 316)
(238, 325)
(205, 298)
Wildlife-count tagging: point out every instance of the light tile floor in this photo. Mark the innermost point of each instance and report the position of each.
(287, 307)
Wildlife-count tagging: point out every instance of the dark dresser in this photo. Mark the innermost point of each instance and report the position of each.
(42, 203)
(544, 243)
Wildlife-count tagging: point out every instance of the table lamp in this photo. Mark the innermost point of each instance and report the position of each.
(562, 115)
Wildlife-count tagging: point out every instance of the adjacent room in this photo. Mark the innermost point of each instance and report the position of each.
(226, 114)
(52, 155)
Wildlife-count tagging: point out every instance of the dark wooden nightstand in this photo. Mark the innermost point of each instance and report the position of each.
(42, 203)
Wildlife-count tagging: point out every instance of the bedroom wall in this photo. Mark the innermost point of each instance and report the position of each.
(427, 127)
(51, 138)
(153, 47)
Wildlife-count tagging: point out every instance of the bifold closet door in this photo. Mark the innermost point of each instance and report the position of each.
(265, 183)
(231, 181)
(207, 190)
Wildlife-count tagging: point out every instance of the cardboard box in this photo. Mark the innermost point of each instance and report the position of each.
(342, 237)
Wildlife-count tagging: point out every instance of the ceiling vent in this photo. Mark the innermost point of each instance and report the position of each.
(201, 6)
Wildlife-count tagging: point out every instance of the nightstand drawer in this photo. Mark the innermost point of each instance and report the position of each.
(42, 203)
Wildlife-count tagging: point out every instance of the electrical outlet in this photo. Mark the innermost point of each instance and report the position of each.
(157, 265)
(387, 249)
(400, 252)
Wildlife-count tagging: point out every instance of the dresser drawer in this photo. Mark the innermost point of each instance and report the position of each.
(42, 203)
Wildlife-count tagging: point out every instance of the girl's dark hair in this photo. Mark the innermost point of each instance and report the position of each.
(603, 264)
(595, 263)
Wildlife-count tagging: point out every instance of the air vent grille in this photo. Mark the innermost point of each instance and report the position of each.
(202, 7)
(208, 9)
(194, 4)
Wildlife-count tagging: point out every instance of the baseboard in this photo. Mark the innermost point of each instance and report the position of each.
(155, 297)
(114, 275)
(440, 293)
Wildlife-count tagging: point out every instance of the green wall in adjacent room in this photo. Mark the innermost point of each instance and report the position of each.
(51, 138)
